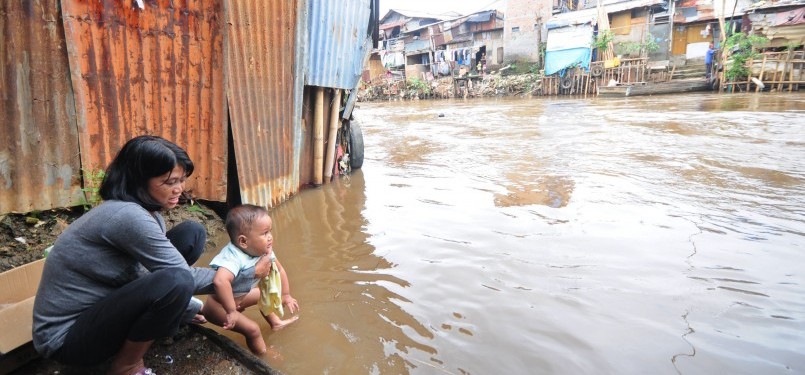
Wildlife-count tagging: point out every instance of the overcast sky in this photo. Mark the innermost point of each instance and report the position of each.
(441, 6)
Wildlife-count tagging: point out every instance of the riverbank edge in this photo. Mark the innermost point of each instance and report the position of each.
(477, 86)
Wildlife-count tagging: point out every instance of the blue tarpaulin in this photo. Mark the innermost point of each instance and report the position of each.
(558, 60)
(568, 46)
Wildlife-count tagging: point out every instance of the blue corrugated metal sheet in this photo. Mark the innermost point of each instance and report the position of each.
(417, 45)
(338, 42)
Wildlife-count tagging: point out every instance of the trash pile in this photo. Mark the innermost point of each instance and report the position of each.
(468, 86)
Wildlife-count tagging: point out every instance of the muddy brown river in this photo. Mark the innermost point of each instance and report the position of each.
(660, 235)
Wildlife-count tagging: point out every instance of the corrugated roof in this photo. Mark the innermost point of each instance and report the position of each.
(589, 15)
(338, 42)
(421, 14)
(39, 162)
(484, 16)
(262, 92)
(157, 70)
(391, 25)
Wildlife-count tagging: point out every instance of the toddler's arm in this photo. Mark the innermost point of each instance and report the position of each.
(287, 300)
(223, 290)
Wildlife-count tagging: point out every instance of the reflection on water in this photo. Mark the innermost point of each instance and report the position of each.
(551, 191)
(638, 235)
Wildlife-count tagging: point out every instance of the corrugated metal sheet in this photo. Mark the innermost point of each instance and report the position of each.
(39, 164)
(590, 15)
(157, 70)
(261, 91)
(338, 42)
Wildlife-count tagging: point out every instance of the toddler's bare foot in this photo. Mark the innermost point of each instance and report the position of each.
(278, 324)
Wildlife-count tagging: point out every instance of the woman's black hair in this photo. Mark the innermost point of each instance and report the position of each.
(141, 159)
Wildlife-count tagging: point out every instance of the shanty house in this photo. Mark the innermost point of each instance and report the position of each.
(782, 22)
(696, 25)
(635, 24)
(525, 29)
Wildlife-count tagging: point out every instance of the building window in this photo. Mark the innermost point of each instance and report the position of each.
(516, 29)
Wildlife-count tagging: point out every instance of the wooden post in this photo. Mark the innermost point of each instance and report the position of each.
(335, 123)
(318, 137)
(782, 75)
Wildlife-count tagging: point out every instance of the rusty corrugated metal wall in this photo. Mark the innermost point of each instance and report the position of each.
(261, 90)
(39, 162)
(156, 70)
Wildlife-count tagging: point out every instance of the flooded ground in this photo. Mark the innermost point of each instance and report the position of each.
(654, 235)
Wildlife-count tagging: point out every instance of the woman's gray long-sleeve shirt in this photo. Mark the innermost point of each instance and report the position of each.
(106, 248)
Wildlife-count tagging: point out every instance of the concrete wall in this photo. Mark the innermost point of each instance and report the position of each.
(524, 26)
(492, 40)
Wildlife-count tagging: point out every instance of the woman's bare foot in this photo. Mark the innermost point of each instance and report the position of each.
(124, 369)
(278, 324)
(199, 319)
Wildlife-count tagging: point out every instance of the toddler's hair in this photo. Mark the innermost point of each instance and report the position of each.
(240, 218)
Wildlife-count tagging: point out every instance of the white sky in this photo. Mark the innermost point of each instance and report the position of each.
(441, 6)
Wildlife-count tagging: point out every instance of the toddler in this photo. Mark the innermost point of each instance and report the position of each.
(249, 229)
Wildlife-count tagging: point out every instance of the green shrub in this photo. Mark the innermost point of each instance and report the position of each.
(92, 186)
(742, 47)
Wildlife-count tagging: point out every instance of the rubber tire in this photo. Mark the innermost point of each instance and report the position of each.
(355, 145)
(597, 70)
(566, 83)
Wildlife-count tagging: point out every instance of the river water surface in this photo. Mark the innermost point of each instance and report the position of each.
(656, 235)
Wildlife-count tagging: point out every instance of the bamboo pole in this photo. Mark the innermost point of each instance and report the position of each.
(587, 84)
(782, 75)
(762, 69)
(791, 72)
(334, 125)
(723, 59)
(318, 137)
(774, 75)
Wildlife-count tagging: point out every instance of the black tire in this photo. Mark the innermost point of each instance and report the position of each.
(597, 70)
(566, 83)
(355, 145)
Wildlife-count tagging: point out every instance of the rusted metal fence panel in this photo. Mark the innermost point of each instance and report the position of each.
(151, 70)
(339, 41)
(261, 93)
(39, 162)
